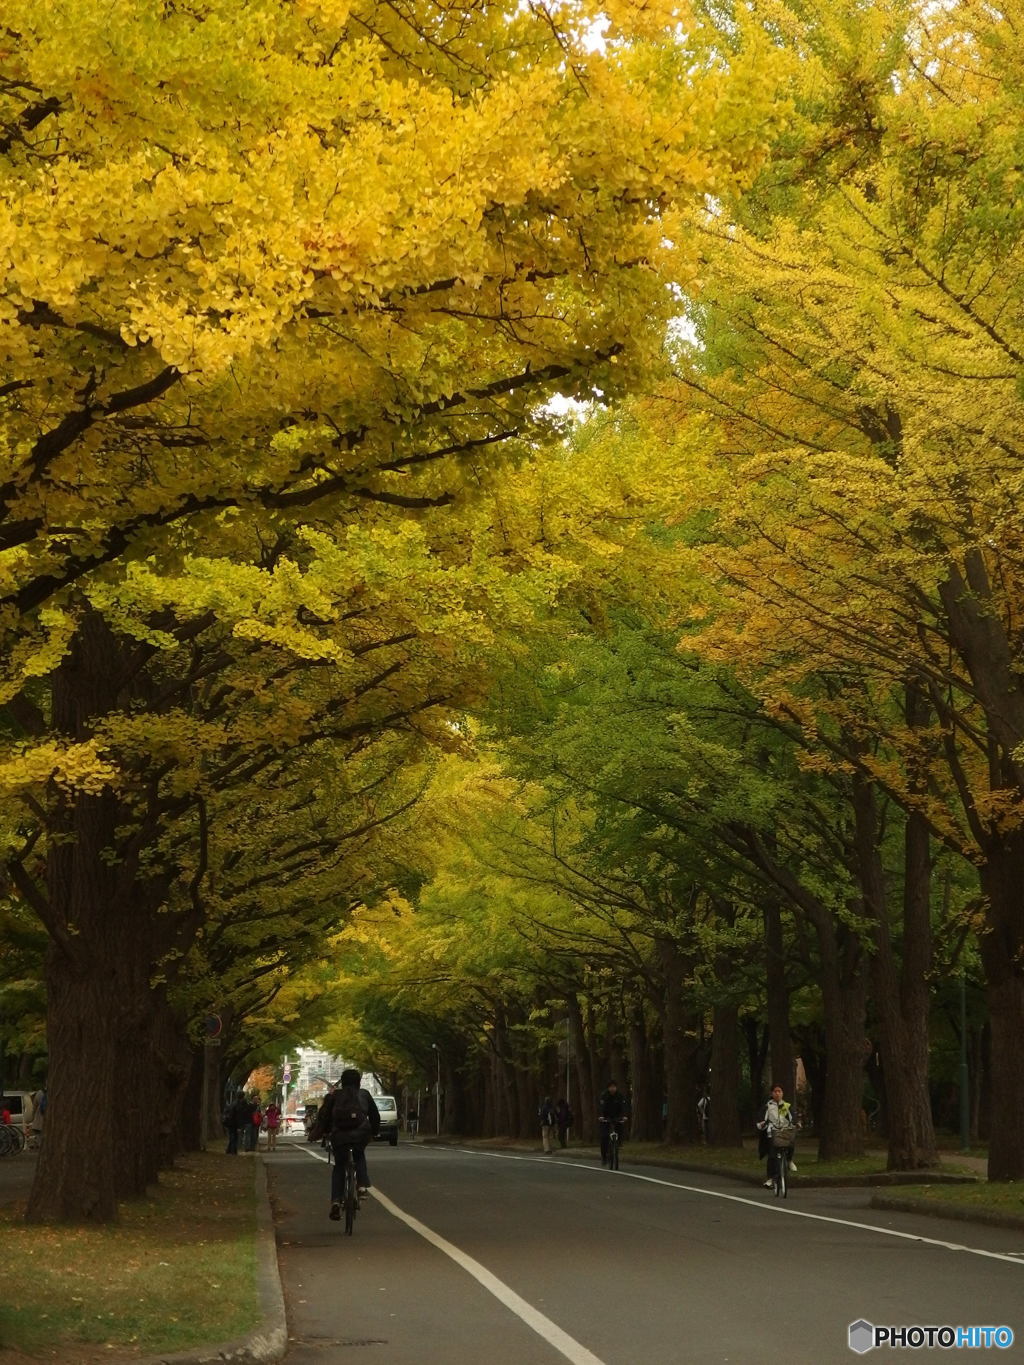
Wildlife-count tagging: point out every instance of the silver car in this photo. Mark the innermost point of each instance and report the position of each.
(388, 1118)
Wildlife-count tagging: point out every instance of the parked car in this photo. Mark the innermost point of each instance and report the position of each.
(388, 1119)
(19, 1103)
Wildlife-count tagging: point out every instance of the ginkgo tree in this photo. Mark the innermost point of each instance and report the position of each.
(323, 254)
(267, 267)
(852, 402)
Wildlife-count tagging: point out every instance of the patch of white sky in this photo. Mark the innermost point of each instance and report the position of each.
(680, 330)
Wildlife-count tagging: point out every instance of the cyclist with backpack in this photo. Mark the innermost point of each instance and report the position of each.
(349, 1118)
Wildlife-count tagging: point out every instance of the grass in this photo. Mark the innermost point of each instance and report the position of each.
(717, 1158)
(997, 1197)
(177, 1271)
(746, 1159)
(978, 1198)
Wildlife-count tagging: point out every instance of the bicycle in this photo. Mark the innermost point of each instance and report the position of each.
(782, 1140)
(350, 1192)
(12, 1140)
(613, 1145)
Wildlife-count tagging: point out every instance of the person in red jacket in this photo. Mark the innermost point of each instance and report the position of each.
(272, 1118)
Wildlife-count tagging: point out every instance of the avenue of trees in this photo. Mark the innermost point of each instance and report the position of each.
(345, 691)
(282, 285)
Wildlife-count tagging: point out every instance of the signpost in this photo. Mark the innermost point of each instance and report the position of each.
(209, 1106)
(286, 1079)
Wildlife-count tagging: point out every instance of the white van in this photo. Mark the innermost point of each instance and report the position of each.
(388, 1110)
(19, 1102)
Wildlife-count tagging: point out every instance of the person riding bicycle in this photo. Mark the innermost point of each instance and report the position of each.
(349, 1117)
(612, 1111)
(776, 1114)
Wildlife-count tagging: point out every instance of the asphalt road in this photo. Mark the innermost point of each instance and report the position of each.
(471, 1258)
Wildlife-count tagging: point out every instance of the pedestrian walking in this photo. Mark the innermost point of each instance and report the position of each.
(255, 1124)
(546, 1114)
(563, 1121)
(237, 1118)
(272, 1118)
(704, 1117)
(38, 1119)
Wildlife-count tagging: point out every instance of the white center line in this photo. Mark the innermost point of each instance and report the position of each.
(566, 1345)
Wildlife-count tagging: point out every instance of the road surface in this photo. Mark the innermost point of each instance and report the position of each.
(477, 1258)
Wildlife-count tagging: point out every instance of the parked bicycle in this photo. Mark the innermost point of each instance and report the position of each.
(12, 1140)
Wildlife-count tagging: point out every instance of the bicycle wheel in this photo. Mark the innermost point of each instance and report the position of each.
(351, 1197)
(613, 1151)
(780, 1175)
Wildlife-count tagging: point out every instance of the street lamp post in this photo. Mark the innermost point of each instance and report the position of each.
(965, 1091)
(437, 1090)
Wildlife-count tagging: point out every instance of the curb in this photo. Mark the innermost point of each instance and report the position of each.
(956, 1211)
(270, 1340)
(885, 1179)
(820, 1182)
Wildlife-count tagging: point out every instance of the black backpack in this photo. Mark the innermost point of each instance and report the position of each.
(347, 1113)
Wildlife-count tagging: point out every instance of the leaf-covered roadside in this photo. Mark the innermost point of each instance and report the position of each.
(176, 1271)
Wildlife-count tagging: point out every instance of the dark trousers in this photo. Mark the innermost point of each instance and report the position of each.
(338, 1170)
(769, 1168)
(563, 1136)
(232, 1147)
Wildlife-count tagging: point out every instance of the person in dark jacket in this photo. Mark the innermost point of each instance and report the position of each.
(546, 1114)
(563, 1121)
(237, 1121)
(252, 1137)
(356, 1138)
(612, 1109)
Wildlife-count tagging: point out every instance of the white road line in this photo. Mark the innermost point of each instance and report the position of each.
(568, 1346)
(769, 1206)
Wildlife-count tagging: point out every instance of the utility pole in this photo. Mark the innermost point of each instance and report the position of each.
(965, 1092)
(437, 1092)
(286, 1077)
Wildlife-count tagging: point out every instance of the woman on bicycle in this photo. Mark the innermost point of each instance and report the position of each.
(777, 1113)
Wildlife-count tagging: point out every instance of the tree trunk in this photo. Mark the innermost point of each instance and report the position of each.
(1002, 953)
(900, 991)
(106, 939)
(679, 1048)
(844, 998)
(844, 994)
(757, 1050)
(978, 619)
(585, 1107)
(646, 1121)
(780, 1042)
(726, 1128)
